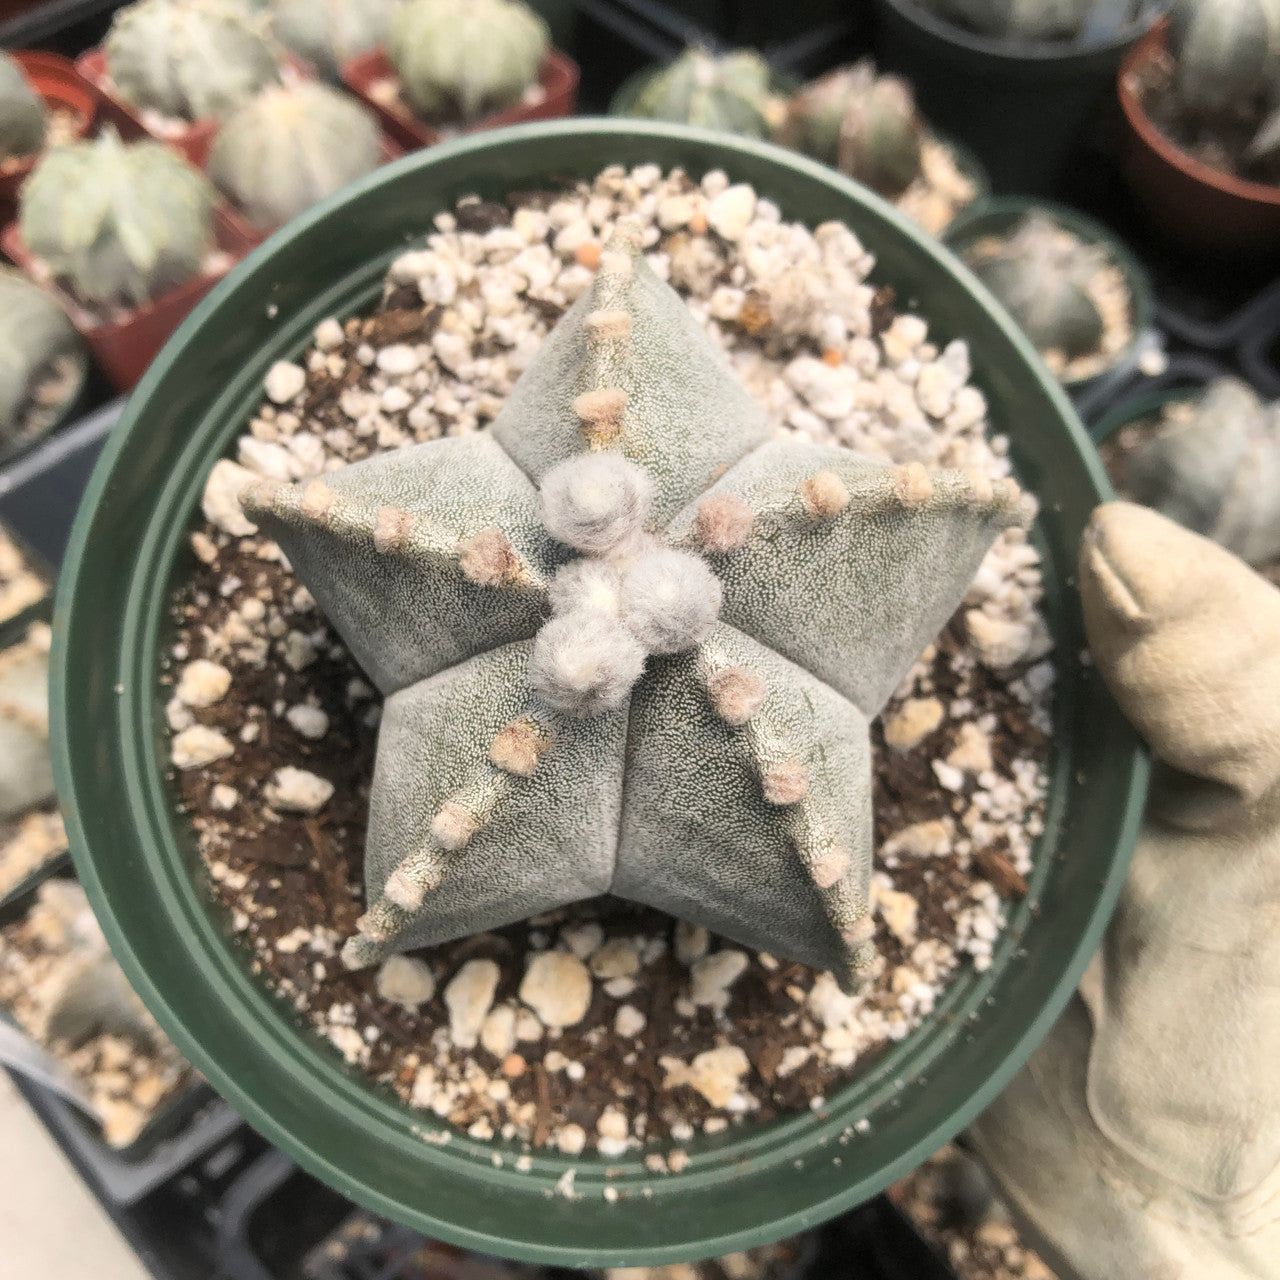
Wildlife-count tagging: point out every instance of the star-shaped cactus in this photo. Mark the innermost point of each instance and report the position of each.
(679, 713)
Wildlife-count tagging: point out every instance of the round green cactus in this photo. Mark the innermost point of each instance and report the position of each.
(1225, 52)
(462, 59)
(1216, 470)
(119, 222)
(328, 33)
(291, 146)
(193, 59)
(629, 641)
(865, 125)
(729, 92)
(1042, 275)
(1020, 20)
(34, 334)
(22, 118)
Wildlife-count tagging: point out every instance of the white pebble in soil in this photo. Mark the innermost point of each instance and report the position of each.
(284, 380)
(468, 996)
(406, 981)
(293, 790)
(557, 987)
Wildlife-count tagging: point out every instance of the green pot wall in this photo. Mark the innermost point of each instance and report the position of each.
(136, 855)
(1145, 404)
(998, 215)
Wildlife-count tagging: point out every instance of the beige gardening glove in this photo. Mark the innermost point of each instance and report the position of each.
(1142, 1140)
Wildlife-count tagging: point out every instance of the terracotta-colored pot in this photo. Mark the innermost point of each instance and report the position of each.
(56, 80)
(1190, 201)
(124, 347)
(370, 72)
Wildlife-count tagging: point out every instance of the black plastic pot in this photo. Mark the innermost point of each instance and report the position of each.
(1022, 108)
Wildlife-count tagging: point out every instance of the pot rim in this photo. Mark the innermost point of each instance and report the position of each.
(251, 1051)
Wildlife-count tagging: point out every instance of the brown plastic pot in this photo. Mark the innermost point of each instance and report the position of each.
(61, 87)
(558, 77)
(1191, 202)
(124, 347)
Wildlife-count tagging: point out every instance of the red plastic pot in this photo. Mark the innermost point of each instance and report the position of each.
(1190, 201)
(56, 80)
(558, 77)
(124, 347)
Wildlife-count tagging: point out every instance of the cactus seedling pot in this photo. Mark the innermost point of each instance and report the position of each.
(997, 216)
(137, 856)
(372, 78)
(1189, 201)
(123, 347)
(1021, 107)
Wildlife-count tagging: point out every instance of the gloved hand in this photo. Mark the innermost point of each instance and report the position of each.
(1142, 1140)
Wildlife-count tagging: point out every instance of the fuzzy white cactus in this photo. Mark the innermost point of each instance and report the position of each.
(328, 33)
(22, 121)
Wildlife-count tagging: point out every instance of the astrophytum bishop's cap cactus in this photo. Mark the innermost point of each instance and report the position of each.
(26, 773)
(193, 59)
(34, 333)
(1021, 20)
(1225, 52)
(328, 33)
(727, 91)
(119, 221)
(689, 726)
(462, 59)
(21, 113)
(291, 146)
(1216, 470)
(866, 125)
(1042, 274)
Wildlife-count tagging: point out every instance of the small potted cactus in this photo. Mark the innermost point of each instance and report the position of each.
(327, 34)
(43, 101)
(132, 262)
(1201, 145)
(175, 68)
(987, 67)
(1078, 293)
(457, 65)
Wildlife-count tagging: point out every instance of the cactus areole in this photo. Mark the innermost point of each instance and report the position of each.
(629, 642)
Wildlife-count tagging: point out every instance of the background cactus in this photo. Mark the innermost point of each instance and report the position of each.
(193, 59)
(866, 125)
(1026, 20)
(1042, 274)
(22, 120)
(1226, 52)
(462, 59)
(727, 91)
(118, 221)
(26, 773)
(1216, 470)
(291, 146)
(329, 33)
(34, 334)
(689, 727)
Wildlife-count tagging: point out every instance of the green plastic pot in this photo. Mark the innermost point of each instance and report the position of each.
(1144, 404)
(1021, 107)
(136, 854)
(998, 215)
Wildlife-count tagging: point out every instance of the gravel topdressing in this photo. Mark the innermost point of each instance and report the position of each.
(604, 1025)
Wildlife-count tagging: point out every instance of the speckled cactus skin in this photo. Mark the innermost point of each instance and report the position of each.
(34, 332)
(329, 33)
(1218, 473)
(291, 146)
(1026, 20)
(462, 59)
(731, 784)
(728, 92)
(26, 771)
(119, 221)
(1225, 52)
(21, 113)
(1044, 284)
(866, 125)
(192, 59)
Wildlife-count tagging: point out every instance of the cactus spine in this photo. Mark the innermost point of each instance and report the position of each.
(22, 119)
(328, 33)
(729, 92)
(629, 642)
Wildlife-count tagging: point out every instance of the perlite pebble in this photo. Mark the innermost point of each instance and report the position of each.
(691, 942)
(616, 959)
(198, 746)
(284, 381)
(469, 997)
(498, 1035)
(224, 797)
(292, 790)
(329, 335)
(629, 1022)
(730, 213)
(713, 975)
(715, 1074)
(398, 360)
(557, 987)
(405, 980)
(914, 721)
(202, 683)
(221, 500)
(309, 721)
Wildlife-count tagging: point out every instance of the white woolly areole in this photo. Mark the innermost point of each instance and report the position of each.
(670, 600)
(595, 501)
(585, 662)
(594, 585)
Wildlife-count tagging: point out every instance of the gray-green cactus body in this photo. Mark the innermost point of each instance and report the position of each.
(290, 146)
(462, 59)
(729, 92)
(1042, 274)
(1021, 20)
(22, 119)
(689, 727)
(329, 33)
(866, 125)
(26, 771)
(192, 59)
(1217, 471)
(1225, 51)
(34, 333)
(118, 221)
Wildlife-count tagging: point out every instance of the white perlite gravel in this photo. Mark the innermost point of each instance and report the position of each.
(793, 311)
